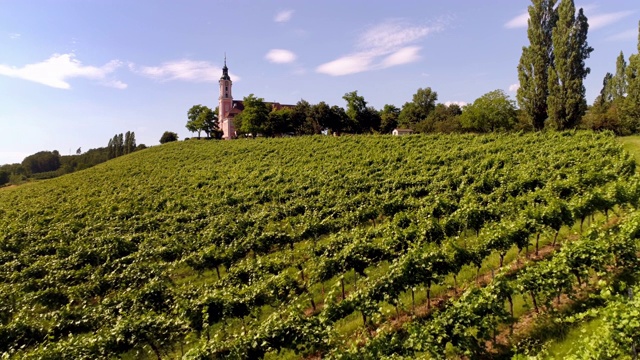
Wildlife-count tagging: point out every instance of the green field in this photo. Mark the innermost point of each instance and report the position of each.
(338, 247)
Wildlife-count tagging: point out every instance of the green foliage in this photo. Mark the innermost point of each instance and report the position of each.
(253, 118)
(362, 118)
(630, 106)
(566, 101)
(536, 61)
(278, 122)
(4, 176)
(389, 118)
(201, 118)
(135, 259)
(443, 119)
(168, 136)
(42, 161)
(416, 111)
(492, 111)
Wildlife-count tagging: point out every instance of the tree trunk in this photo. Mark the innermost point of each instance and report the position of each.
(313, 303)
(535, 303)
(355, 280)
(555, 237)
(155, 350)
(511, 311)
(455, 285)
(342, 283)
(501, 259)
(537, 242)
(413, 302)
(218, 272)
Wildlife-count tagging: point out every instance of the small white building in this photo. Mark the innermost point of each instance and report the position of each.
(400, 132)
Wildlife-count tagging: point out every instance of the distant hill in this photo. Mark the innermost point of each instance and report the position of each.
(307, 246)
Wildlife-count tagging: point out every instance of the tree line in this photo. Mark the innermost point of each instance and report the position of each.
(491, 112)
(552, 69)
(50, 164)
(551, 95)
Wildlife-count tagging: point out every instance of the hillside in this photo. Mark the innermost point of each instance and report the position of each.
(304, 247)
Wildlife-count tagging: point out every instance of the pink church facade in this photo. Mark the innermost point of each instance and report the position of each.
(225, 105)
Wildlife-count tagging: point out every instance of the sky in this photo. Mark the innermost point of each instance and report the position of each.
(73, 73)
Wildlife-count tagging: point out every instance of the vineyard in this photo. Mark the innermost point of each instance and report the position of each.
(359, 247)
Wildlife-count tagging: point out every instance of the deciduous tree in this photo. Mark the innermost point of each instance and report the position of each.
(168, 136)
(490, 112)
(362, 119)
(422, 104)
(202, 118)
(389, 118)
(254, 116)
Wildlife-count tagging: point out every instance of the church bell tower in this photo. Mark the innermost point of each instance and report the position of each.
(225, 104)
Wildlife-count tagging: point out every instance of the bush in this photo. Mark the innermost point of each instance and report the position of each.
(168, 136)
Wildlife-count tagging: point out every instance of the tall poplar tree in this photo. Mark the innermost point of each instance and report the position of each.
(618, 83)
(630, 110)
(535, 61)
(566, 101)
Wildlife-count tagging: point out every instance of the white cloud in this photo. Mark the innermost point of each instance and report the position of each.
(630, 34)
(514, 87)
(14, 36)
(405, 55)
(117, 84)
(283, 16)
(56, 70)
(602, 20)
(519, 21)
(381, 46)
(459, 103)
(185, 70)
(346, 65)
(280, 56)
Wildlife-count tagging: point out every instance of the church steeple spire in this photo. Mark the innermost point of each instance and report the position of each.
(225, 69)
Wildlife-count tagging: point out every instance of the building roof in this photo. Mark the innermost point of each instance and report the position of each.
(237, 106)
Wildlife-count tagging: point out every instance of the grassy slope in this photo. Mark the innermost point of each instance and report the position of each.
(632, 145)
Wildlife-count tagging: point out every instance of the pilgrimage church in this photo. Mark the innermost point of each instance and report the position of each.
(229, 108)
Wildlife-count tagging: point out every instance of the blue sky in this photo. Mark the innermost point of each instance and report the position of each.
(75, 72)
